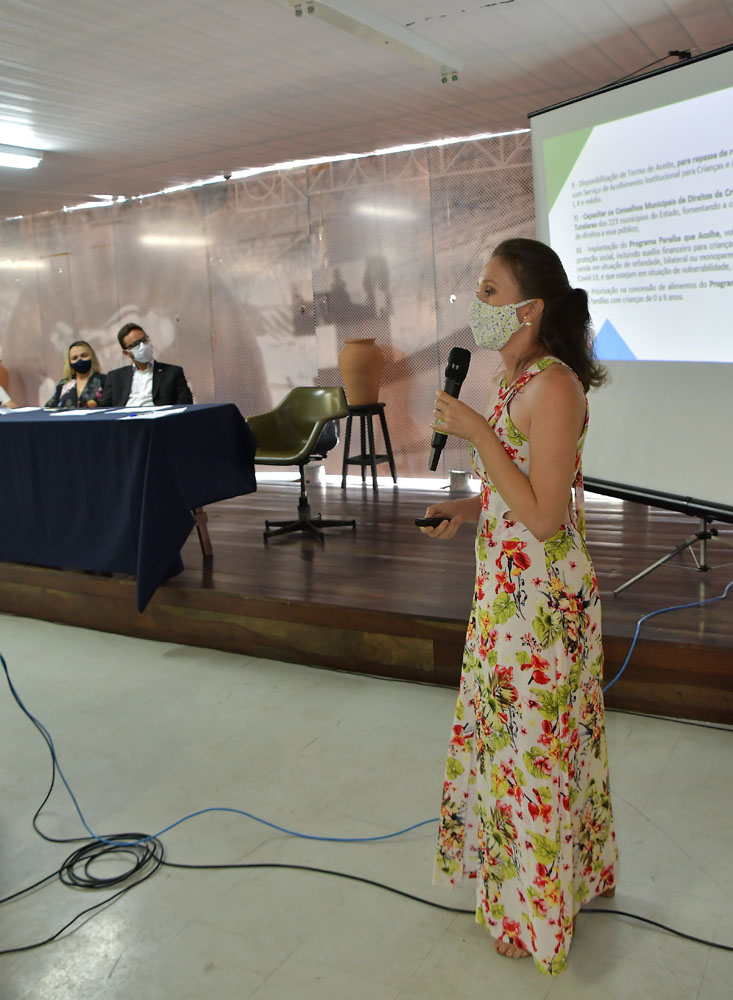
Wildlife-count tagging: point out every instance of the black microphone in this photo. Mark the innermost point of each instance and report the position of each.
(455, 371)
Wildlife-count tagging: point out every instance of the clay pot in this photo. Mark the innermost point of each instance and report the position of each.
(361, 363)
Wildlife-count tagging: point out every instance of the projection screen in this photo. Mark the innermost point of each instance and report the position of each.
(634, 190)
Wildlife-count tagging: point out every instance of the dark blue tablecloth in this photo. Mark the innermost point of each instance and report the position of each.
(112, 490)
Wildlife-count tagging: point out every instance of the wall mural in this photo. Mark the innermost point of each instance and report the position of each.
(254, 285)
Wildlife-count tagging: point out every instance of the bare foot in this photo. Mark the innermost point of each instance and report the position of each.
(509, 950)
(609, 893)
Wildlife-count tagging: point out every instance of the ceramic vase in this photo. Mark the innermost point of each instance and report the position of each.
(361, 363)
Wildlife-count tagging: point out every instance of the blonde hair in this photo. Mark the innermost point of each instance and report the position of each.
(69, 373)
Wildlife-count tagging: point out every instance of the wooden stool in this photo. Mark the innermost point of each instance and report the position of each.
(367, 458)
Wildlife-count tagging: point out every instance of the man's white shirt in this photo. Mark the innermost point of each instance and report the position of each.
(141, 390)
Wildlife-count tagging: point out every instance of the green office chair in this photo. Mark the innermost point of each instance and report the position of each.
(302, 426)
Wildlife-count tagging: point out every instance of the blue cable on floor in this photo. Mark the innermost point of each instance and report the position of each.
(264, 822)
(200, 812)
(676, 607)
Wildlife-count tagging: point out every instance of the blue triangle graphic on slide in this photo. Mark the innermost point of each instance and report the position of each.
(611, 346)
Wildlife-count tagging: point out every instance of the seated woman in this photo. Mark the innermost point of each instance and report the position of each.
(5, 400)
(82, 382)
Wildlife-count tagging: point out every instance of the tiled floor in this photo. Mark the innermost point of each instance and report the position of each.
(147, 732)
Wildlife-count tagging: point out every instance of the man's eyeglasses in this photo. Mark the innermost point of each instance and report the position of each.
(136, 343)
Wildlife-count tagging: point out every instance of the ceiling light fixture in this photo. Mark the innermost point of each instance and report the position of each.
(371, 27)
(19, 157)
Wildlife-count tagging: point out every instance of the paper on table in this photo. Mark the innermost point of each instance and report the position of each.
(73, 413)
(20, 409)
(152, 413)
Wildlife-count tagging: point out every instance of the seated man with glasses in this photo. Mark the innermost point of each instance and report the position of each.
(145, 382)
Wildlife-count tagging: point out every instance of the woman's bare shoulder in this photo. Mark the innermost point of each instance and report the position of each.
(557, 379)
(555, 390)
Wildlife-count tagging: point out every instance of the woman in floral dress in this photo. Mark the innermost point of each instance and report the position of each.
(526, 806)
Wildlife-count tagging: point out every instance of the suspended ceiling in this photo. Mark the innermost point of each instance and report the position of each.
(131, 98)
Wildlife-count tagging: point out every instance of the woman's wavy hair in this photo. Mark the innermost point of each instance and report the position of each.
(565, 327)
(68, 370)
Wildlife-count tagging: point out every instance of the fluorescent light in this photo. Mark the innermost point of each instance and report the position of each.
(217, 179)
(88, 204)
(22, 265)
(384, 212)
(17, 134)
(19, 157)
(318, 160)
(173, 241)
(451, 140)
(314, 161)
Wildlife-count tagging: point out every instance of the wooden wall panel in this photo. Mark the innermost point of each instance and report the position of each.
(390, 604)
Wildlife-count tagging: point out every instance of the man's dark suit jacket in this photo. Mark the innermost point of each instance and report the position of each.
(169, 385)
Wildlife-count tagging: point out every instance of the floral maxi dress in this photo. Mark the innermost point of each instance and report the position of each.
(526, 806)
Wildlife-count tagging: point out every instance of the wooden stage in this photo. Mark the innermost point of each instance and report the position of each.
(387, 601)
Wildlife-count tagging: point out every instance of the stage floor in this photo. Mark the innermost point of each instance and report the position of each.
(388, 601)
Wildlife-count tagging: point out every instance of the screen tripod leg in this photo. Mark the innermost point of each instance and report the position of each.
(699, 536)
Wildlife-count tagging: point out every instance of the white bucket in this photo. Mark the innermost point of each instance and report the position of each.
(458, 480)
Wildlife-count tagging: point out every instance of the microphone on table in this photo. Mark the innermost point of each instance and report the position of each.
(455, 371)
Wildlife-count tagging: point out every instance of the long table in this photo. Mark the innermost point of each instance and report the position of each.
(112, 490)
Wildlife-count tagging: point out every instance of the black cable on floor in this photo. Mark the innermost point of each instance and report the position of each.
(48, 940)
(655, 923)
(318, 871)
(142, 859)
(76, 871)
(146, 855)
(430, 902)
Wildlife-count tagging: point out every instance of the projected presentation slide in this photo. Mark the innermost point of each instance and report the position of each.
(640, 210)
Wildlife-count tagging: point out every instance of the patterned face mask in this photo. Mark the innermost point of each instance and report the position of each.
(492, 326)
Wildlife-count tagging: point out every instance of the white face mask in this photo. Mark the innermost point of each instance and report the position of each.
(143, 353)
(492, 326)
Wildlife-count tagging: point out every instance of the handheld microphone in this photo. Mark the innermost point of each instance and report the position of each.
(455, 371)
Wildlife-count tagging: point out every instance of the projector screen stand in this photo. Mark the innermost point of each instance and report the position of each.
(703, 536)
